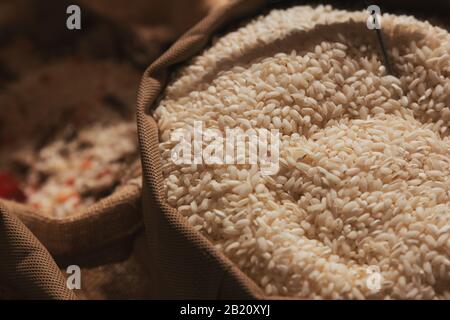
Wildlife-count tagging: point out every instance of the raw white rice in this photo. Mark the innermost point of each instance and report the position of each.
(364, 159)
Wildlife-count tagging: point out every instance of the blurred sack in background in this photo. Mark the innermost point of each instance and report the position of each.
(138, 31)
(49, 70)
(151, 25)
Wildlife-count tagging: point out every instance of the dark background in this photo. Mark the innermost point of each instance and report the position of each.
(33, 32)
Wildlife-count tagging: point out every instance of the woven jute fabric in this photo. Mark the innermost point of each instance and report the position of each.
(26, 267)
(184, 264)
(116, 271)
(110, 269)
(112, 218)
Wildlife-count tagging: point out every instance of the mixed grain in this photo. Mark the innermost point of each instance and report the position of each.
(74, 171)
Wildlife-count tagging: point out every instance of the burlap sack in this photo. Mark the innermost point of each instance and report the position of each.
(116, 271)
(49, 106)
(184, 263)
(97, 231)
(27, 270)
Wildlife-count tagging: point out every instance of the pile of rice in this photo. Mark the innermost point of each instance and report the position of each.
(78, 168)
(363, 185)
